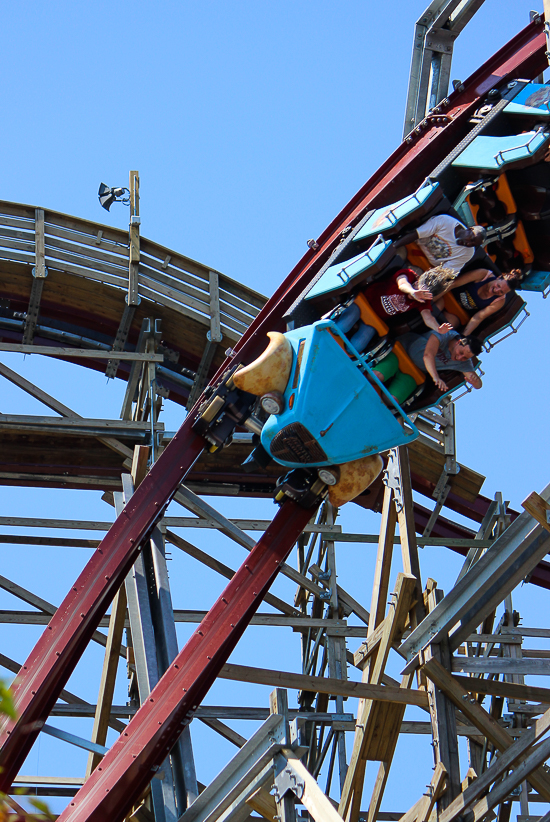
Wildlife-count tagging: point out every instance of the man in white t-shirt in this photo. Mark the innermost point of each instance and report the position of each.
(444, 239)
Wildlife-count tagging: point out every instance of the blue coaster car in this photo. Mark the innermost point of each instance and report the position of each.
(329, 408)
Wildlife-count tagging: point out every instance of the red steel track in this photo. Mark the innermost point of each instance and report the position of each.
(127, 768)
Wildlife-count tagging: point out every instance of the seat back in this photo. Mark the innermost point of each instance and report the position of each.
(370, 317)
(407, 366)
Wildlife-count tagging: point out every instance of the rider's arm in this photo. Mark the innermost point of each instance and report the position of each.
(417, 294)
(432, 347)
(406, 239)
(432, 323)
(478, 318)
(474, 276)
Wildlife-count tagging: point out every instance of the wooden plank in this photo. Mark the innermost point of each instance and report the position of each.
(314, 800)
(117, 258)
(85, 239)
(179, 281)
(26, 421)
(67, 696)
(499, 766)
(479, 717)
(422, 809)
(224, 570)
(518, 775)
(384, 769)
(11, 234)
(62, 259)
(224, 730)
(80, 353)
(407, 530)
(56, 542)
(263, 803)
(383, 561)
(108, 677)
(351, 793)
(174, 294)
(324, 685)
(17, 222)
(181, 266)
(420, 541)
(501, 665)
(538, 508)
(80, 271)
(215, 327)
(251, 307)
(511, 690)
(57, 406)
(442, 712)
(67, 221)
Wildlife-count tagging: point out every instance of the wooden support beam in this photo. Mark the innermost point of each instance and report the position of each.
(45, 607)
(494, 687)
(224, 730)
(366, 715)
(442, 711)
(213, 338)
(323, 684)
(421, 810)
(39, 274)
(108, 677)
(67, 696)
(79, 353)
(224, 570)
(263, 803)
(392, 733)
(514, 754)
(519, 774)
(479, 717)
(407, 528)
(311, 796)
(57, 406)
(383, 561)
(133, 270)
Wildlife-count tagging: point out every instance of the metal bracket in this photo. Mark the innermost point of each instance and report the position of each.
(392, 479)
(288, 780)
(120, 339)
(34, 307)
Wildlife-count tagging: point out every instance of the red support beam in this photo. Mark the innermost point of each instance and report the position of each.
(58, 650)
(127, 769)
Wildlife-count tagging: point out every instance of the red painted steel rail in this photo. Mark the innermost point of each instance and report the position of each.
(128, 766)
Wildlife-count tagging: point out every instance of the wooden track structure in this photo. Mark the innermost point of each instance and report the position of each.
(78, 312)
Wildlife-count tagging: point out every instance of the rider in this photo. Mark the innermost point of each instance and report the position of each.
(401, 292)
(444, 239)
(430, 352)
(483, 292)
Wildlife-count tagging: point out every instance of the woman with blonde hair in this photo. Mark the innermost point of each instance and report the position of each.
(403, 291)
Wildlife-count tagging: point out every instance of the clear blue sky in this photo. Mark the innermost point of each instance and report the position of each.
(251, 123)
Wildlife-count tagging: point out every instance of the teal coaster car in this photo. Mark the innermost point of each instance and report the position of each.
(325, 405)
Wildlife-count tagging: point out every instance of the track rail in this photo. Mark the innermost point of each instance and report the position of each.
(127, 768)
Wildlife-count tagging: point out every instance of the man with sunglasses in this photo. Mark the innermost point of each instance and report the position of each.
(446, 352)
